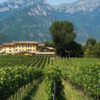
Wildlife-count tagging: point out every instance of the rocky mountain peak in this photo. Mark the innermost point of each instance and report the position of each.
(43, 1)
(25, 1)
(40, 10)
(18, 4)
(81, 5)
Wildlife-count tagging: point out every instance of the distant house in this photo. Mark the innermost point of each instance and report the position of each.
(23, 47)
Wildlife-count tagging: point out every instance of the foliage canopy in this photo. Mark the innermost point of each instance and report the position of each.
(62, 34)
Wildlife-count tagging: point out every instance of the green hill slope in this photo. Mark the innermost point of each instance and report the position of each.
(29, 24)
(60, 6)
(4, 39)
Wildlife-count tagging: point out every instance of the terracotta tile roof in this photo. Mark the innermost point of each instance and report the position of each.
(45, 53)
(39, 53)
(41, 45)
(28, 52)
(8, 44)
(28, 42)
(0, 46)
(50, 48)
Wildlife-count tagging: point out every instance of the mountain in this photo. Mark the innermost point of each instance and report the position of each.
(11, 6)
(30, 20)
(56, 7)
(30, 24)
(4, 39)
(83, 13)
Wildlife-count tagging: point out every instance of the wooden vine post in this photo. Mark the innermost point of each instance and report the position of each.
(54, 96)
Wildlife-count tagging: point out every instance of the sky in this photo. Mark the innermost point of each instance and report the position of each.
(53, 2)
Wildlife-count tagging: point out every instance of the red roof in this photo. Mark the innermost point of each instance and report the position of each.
(45, 53)
(8, 44)
(24, 42)
(39, 53)
(41, 45)
(50, 48)
(0, 46)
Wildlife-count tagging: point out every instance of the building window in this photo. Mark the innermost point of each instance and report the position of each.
(22, 49)
(30, 49)
(26, 49)
(19, 49)
(0, 49)
(30, 46)
(16, 46)
(13, 50)
(19, 46)
(9, 50)
(22, 46)
(16, 50)
(33, 49)
(10, 47)
(26, 46)
(33, 46)
(4, 47)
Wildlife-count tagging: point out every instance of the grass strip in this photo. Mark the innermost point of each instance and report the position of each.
(73, 94)
(40, 94)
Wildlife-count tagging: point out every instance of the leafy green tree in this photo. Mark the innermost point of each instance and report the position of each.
(87, 53)
(62, 34)
(99, 42)
(76, 49)
(88, 47)
(41, 49)
(84, 47)
(46, 43)
(96, 50)
(51, 44)
(91, 41)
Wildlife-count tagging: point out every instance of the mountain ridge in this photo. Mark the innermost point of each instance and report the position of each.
(9, 7)
(31, 23)
(81, 5)
(85, 14)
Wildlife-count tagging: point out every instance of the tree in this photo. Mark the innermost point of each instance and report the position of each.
(96, 50)
(41, 49)
(46, 43)
(62, 34)
(91, 41)
(87, 53)
(76, 49)
(51, 44)
(99, 42)
(84, 47)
